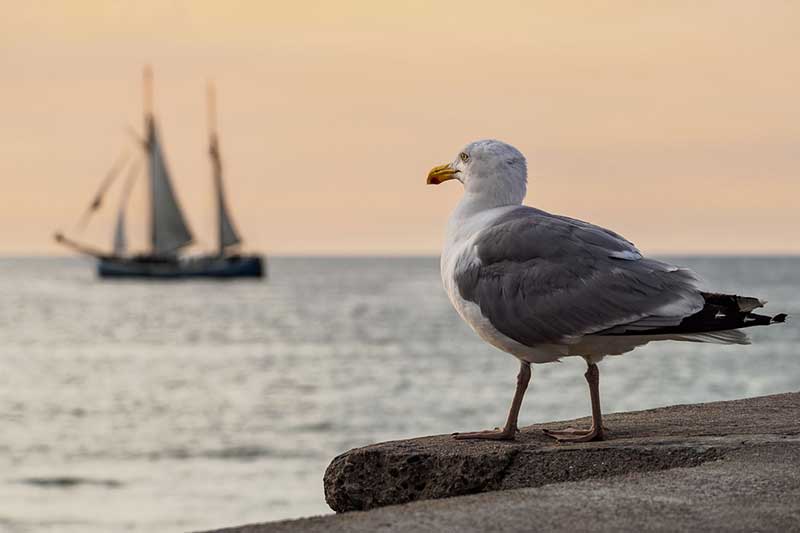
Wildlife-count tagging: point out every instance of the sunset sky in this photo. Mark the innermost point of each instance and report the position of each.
(674, 123)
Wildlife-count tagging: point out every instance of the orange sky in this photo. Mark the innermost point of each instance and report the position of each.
(675, 123)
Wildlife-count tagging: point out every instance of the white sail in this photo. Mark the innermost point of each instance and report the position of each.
(120, 235)
(120, 239)
(169, 230)
(227, 231)
(228, 236)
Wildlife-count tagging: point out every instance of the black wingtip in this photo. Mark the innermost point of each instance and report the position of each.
(780, 318)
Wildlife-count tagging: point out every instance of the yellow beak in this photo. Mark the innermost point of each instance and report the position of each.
(441, 173)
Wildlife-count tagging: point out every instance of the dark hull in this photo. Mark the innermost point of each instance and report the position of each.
(236, 266)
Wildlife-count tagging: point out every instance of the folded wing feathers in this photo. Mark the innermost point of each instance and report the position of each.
(540, 278)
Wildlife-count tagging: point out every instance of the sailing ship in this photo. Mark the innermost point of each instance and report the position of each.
(169, 231)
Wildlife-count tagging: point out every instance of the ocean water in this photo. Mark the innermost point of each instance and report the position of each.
(131, 406)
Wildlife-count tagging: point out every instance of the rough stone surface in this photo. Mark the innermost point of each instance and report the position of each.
(726, 466)
(657, 439)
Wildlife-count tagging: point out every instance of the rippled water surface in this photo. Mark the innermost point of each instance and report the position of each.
(130, 406)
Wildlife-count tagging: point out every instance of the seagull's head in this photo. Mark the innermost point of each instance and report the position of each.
(488, 169)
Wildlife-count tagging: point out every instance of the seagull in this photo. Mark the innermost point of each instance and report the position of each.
(541, 286)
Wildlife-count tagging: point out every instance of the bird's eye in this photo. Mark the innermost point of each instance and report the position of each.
(464, 157)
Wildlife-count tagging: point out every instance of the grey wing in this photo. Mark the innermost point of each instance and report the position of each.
(541, 278)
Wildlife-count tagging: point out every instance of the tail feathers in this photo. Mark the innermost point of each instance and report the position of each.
(747, 304)
(718, 321)
(780, 318)
(731, 336)
(743, 304)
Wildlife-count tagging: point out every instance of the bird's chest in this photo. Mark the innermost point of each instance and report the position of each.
(470, 312)
(460, 252)
(454, 255)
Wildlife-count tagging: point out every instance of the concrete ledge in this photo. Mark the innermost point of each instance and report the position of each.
(657, 439)
(725, 466)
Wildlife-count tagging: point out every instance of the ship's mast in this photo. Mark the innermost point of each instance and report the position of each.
(226, 232)
(169, 231)
(216, 162)
(149, 127)
(147, 94)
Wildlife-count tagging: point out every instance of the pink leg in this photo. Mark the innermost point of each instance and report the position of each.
(509, 431)
(595, 432)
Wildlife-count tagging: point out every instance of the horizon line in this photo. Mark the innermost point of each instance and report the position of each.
(403, 255)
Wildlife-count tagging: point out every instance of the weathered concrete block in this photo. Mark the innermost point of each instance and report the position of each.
(657, 439)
